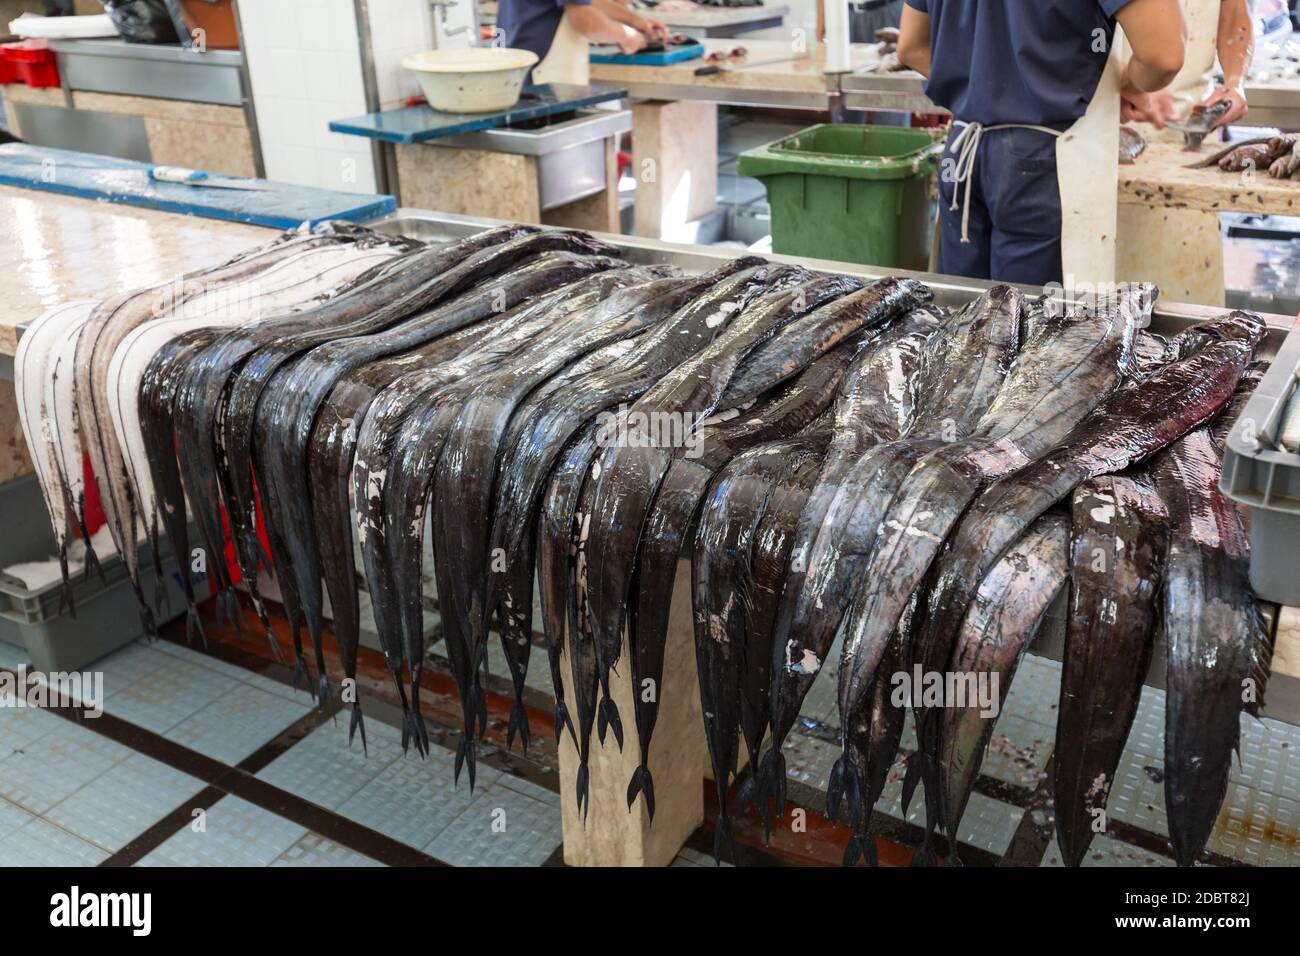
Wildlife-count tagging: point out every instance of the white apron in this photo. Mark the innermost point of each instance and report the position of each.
(1181, 250)
(1089, 197)
(566, 60)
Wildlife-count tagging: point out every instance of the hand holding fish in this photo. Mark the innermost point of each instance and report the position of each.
(1236, 97)
(1158, 109)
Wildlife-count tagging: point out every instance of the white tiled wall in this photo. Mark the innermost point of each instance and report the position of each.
(304, 61)
(397, 27)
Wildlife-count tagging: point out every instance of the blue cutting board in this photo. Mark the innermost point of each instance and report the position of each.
(659, 58)
(91, 176)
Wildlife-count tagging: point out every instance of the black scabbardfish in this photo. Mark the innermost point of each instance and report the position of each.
(724, 605)
(999, 627)
(1219, 651)
(957, 380)
(1117, 552)
(627, 474)
(787, 411)
(199, 400)
(287, 407)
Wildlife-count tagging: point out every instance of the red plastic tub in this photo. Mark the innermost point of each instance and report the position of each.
(29, 62)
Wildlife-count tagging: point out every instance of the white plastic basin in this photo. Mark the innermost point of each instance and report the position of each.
(472, 80)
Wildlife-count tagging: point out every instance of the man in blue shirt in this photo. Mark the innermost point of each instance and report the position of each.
(1016, 74)
(531, 24)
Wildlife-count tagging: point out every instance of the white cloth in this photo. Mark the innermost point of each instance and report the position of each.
(966, 146)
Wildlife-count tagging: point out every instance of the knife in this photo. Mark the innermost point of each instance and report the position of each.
(196, 177)
(731, 67)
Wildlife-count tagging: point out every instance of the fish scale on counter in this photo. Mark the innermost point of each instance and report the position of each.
(843, 458)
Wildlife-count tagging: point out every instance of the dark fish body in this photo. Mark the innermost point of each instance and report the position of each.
(1130, 426)
(998, 628)
(1060, 375)
(1117, 550)
(629, 472)
(1219, 651)
(286, 409)
(962, 368)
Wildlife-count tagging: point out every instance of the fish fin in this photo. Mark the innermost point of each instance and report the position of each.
(911, 778)
(356, 724)
(518, 722)
(583, 787)
(563, 720)
(642, 783)
(723, 838)
(609, 716)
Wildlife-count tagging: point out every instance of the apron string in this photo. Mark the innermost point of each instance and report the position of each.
(966, 146)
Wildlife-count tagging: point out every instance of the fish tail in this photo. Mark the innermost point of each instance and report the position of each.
(323, 690)
(583, 787)
(518, 722)
(193, 623)
(773, 772)
(852, 853)
(911, 777)
(162, 598)
(92, 565)
(609, 718)
(356, 724)
(834, 790)
(147, 621)
(924, 855)
(66, 598)
(411, 733)
(275, 645)
(563, 720)
(465, 757)
(642, 783)
(300, 672)
(723, 838)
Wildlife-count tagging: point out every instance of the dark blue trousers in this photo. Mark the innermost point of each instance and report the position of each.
(1015, 210)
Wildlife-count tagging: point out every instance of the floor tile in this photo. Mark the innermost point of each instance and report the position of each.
(20, 726)
(236, 833)
(168, 694)
(13, 658)
(412, 800)
(57, 765)
(39, 843)
(12, 817)
(324, 769)
(315, 850)
(501, 827)
(237, 723)
(116, 807)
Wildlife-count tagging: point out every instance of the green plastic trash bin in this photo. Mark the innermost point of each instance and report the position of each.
(850, 193)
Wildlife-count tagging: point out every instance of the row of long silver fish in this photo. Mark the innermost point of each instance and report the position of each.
(833, 457)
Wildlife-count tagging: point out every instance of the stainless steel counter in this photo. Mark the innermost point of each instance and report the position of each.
(141, 69)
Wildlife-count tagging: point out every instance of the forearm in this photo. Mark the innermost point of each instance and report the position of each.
(1236, 44)
(1157, 32)
(914, 40)
(594, 24)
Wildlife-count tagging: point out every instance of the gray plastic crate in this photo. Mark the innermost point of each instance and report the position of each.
(107, 614)
(1259, 471)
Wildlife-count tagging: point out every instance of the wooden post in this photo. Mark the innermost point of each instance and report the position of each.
(675, 161)
(611, 835)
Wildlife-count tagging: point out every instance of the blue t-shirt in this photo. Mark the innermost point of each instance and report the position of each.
(531, 24)
(1018, 61)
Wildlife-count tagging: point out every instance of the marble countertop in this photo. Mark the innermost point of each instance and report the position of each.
(55, 249)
